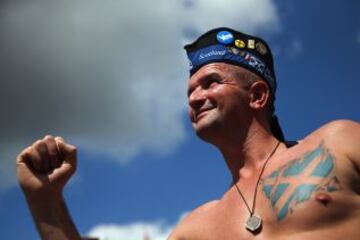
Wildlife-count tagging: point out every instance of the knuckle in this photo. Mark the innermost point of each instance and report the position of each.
(50, 144)
(41, 146)
(58, 138)
(37, 143)
(25, 153)
(48, 140)
(48, 136)
(73, 149)
(26, 150)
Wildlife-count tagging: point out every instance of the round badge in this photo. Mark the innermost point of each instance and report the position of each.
(240, 43)
(261, 48)
(225, 37)
(233, 50)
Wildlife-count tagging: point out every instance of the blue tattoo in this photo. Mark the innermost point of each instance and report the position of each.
(301, 194)
(298, 166)
(295, 182)
(324, 168)
(279, 191)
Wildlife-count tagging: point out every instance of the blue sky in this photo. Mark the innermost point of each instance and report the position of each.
(155, 169)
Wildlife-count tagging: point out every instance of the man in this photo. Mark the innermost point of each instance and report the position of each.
(281, 190)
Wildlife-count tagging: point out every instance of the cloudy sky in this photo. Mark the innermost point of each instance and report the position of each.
(110, 77)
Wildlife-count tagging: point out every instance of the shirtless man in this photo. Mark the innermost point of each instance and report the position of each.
(308, 190)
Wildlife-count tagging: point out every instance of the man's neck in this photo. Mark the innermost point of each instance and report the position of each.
(245, 158)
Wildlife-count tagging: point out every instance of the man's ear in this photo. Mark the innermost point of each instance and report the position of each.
(259, 95)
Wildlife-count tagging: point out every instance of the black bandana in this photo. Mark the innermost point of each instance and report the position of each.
(233, 47)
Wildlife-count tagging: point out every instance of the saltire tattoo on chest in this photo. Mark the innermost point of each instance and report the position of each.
(295, 182)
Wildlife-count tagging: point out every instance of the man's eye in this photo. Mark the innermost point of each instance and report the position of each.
(213, 82)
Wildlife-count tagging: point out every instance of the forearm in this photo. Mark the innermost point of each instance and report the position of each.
(52, 218)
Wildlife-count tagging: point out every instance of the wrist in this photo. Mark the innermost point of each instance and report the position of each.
(44, 205)
(43, 195)
(51, 217)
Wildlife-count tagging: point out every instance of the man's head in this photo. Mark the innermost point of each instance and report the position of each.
(221, 59)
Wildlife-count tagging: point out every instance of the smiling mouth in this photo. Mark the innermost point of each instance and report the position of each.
(202, 113)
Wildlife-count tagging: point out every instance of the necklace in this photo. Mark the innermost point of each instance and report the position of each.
(254, 222)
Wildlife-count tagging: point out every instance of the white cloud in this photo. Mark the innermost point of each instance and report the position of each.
(107, 75)
(248, 15)
(134, 231)
(157, 230)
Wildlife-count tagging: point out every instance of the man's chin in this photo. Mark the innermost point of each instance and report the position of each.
(201, 124)
(204, 130)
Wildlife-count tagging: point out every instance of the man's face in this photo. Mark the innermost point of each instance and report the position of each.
(217, 99)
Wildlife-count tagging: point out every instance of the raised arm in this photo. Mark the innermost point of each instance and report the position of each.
(43, 169)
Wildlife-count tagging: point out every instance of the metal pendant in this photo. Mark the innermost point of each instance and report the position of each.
(253, 223)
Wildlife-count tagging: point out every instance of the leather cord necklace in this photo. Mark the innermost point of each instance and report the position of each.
(254, 222)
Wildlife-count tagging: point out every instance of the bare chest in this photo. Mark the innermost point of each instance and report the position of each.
(308, 193)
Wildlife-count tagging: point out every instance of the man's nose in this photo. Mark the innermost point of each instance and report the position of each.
(197, 98)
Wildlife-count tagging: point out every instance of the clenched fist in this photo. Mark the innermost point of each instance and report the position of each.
(44, 167)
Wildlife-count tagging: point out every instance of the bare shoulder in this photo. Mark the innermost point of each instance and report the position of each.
(342, 126)
(342, 133)
(187, 226)
(342, 136)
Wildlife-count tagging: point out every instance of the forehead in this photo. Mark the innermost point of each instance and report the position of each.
(217, 69)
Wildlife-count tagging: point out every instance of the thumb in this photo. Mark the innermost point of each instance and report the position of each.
(67, 151)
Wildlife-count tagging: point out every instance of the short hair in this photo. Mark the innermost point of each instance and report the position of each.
(250, 78)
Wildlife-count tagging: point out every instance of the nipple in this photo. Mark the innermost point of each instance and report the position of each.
(323, 198)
